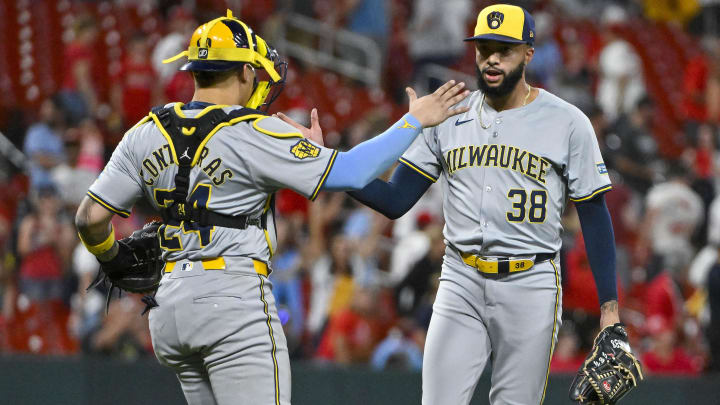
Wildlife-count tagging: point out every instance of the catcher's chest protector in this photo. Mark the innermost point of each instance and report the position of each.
(187, 137)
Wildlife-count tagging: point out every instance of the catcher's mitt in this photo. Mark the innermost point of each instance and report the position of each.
(137, 268)
(609, 372)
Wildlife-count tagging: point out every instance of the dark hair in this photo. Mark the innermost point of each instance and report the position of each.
(645, 102)
(210, 79)
(84, 23)
(676, 169)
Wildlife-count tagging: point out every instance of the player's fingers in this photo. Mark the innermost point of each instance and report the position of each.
(450, 94)
(290, 121)
(456, 111)
(458, 98)
(444, 88)
(411, 94)
(314, 119)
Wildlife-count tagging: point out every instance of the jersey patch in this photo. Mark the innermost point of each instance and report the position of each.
(304, 149)
(601, 168)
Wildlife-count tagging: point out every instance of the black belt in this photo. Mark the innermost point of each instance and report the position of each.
(543, 257)
(498, 266)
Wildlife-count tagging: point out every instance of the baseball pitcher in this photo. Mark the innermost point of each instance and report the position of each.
(507, 168)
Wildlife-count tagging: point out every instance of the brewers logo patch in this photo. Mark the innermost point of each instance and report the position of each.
(304, 149)
(495, 19)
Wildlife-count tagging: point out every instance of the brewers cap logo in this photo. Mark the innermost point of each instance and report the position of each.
(495, 19)
(304, 149)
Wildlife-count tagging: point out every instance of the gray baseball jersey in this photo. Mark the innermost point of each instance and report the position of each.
(506, 186)
(240, 167)
(506, 177)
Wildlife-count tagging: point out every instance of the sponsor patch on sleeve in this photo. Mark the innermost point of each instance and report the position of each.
(304, 149)
(601, 168)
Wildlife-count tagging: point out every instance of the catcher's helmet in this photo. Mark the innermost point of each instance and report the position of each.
(227, 43)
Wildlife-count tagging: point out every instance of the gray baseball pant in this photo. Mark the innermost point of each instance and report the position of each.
(512, 320)
(220, 332)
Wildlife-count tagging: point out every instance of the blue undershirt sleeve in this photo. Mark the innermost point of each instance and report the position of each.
(357, 167)
(600, 245)
(394, 198)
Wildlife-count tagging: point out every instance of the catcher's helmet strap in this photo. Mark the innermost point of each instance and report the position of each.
(187, 138)
(231, 55)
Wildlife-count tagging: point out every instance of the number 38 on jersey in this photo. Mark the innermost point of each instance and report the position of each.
(527, 206)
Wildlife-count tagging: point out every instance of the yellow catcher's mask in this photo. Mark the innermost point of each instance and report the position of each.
(227, 43)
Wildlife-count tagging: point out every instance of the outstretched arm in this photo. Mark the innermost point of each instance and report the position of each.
(600, 246)
(395, 197)
(356, 168)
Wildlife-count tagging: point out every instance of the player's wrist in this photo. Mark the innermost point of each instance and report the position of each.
(412, 120)
(110, 254)
(609, 314)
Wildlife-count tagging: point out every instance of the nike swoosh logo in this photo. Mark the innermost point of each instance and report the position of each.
(458, 122)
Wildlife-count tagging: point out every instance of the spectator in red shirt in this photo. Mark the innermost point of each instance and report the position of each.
(45, 243)
(78, 93)
(135, 88)
(664, 356)
(701, 87)
(579, 287)
(177, 85)
(567, 357)
(662, 300)
(701, 158)
(353, 333)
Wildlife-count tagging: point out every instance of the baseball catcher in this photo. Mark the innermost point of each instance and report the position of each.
(211, 168)
(609, 372)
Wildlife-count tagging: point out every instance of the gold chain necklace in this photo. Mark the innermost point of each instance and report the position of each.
(482, 102)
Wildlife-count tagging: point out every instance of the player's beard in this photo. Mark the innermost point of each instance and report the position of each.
(507, 85)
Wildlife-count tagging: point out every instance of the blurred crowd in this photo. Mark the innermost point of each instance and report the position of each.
(353, 287)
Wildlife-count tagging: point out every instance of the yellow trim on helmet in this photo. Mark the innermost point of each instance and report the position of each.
(255, 54)
(176, 57)
(259, 95)
(230, 55)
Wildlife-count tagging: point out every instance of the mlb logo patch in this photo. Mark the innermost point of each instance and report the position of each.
(601, 168)
(186, 267)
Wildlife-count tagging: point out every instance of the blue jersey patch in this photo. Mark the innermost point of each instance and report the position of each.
(601, 168)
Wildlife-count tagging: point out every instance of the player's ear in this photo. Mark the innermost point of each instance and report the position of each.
(247, 74)
(529, 52)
